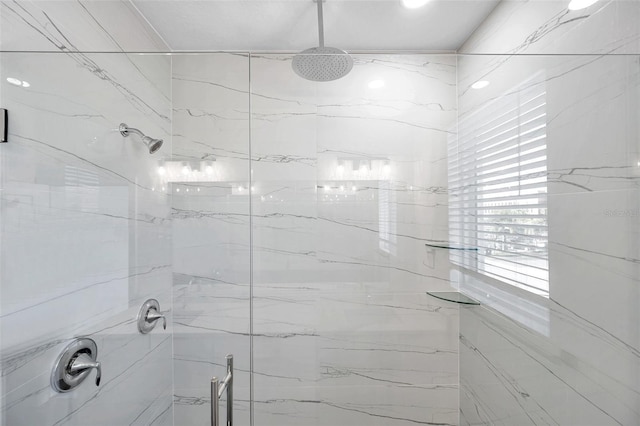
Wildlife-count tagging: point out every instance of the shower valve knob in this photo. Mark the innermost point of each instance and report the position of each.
(84, 362)
(154, 315)
(149, 315)
(74, 364)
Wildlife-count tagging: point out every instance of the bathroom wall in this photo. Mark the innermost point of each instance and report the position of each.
(574, 358)
(85, 223)
(349, 184)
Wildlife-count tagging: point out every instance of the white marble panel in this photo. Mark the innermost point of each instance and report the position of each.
(596, 274)
(356, 405)
(129, 362)
(65, 25)
(549, 27)
(211, 123)
(286, 247)
(284, 122)
(211, 231)
(397, 133)
(510, 374)
(350, 184)
(85, 222)
(211, 320)
(590, 104)
(211, 112)
(580, 365)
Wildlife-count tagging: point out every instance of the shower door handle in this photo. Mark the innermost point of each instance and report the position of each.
(217, 389)
(215, 402)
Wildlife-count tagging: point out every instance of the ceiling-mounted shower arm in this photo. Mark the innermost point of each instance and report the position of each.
(320, 24)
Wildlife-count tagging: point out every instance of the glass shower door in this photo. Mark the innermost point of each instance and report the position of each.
(349, 184)
(209, 177)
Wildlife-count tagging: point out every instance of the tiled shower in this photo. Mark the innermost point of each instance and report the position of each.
(298, 225)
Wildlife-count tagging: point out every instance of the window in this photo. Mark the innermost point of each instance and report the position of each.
(498, 189)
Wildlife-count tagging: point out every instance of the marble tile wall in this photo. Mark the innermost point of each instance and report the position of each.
(582, 366)
(349, 184)
(85, 223)
(83, 26)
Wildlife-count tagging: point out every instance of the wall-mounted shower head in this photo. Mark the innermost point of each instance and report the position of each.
(152, 144)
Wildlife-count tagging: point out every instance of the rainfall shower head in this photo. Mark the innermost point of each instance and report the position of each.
(322, 63)
(152, 144)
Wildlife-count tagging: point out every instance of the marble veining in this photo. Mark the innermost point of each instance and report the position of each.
(313, 293)
(304, 254)
(84, 222)
(571, 359)
(586, 388)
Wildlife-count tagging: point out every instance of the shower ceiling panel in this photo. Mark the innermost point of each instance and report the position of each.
(291, 25)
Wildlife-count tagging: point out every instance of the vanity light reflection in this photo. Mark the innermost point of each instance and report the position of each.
(189, 171)
(581, 4)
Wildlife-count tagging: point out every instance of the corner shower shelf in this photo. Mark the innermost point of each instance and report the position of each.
(453, 296)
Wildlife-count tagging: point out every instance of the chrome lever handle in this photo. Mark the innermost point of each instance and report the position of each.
(84, 362)
(149, 315)
(154, 315)
(74, 364)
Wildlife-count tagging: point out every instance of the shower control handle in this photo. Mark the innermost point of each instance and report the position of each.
(154, 315)
(149, 315)
(84, 362)
(74, 364)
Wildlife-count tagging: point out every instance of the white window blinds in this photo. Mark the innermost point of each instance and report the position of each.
(498, 187)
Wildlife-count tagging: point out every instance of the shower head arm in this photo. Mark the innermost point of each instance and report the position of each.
(125, 130)
(320, 24)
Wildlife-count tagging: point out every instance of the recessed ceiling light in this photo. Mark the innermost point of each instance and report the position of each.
(480, 84)
(414, 4)
(376, 84)
(580, 4)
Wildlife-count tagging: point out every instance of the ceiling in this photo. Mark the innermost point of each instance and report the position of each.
(291, 25)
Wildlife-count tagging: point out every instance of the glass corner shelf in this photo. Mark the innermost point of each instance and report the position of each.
(449, 247)
(453, 296)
